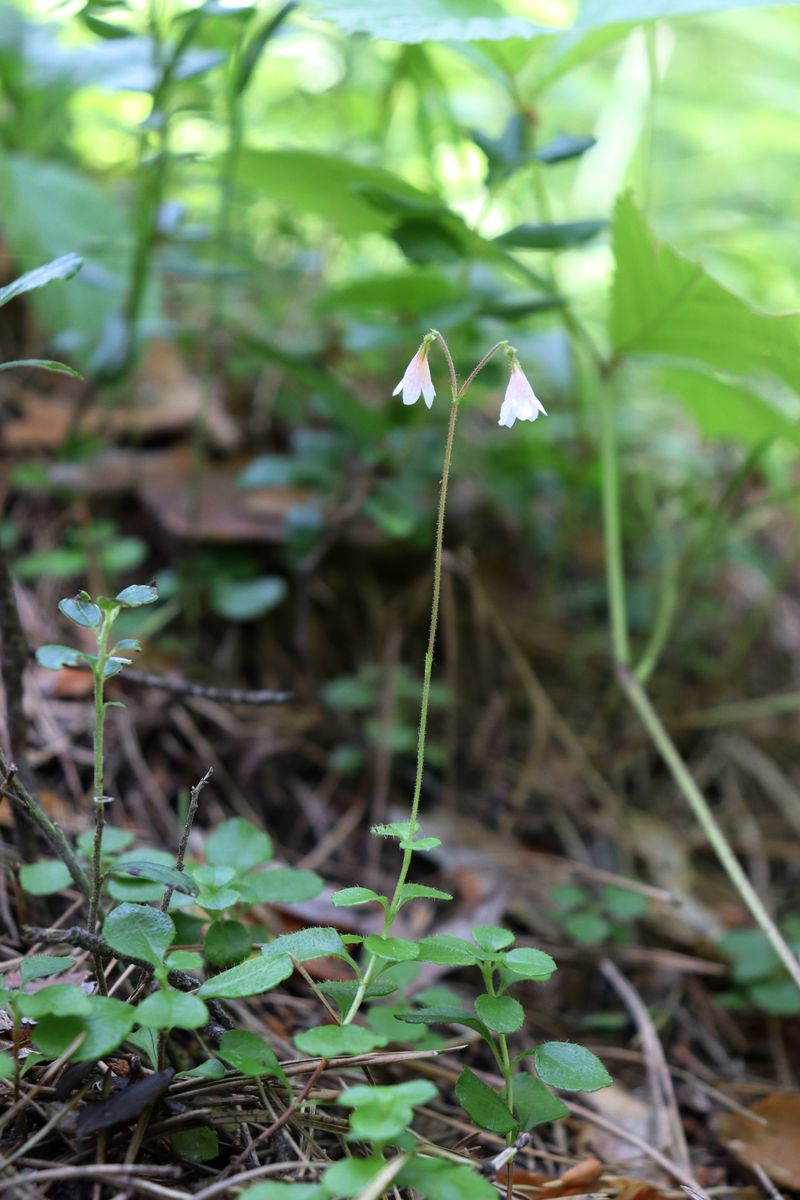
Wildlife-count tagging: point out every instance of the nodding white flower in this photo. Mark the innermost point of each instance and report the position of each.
(520, 401)
(417, 380)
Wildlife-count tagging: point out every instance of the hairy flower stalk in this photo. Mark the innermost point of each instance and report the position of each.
(524, 406)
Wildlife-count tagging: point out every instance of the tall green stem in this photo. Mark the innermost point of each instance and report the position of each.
(639, 700)
(98, 793)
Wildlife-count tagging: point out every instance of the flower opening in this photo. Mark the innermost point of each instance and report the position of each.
(520, 401)
(417, 380)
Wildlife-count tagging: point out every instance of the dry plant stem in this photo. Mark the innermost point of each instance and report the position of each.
(194, 799)
(19, 796)
(640, 702)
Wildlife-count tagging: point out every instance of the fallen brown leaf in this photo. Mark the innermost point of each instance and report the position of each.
(774, 1146)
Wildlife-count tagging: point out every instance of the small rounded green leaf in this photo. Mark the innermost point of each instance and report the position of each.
(280, 885)
(137, 595)
(54, 657)
(227, 943)
(40, 966)
(197, 1145)
(330, 1041)
(113, 842)
(252, 977)
(492, 937)
(184, 960)
(623, 903)
(447, 950)
(80, 612)
(45, 877)
(528, 963)
(570, 1067)
(238, 843)
(392, 948)
(248, 1053)
(482, 1104)
(347, 897)
(140, 932)
(169, 1009)
(502, 1014)
(587, 927)
(350, 1176)
(57, 1000)
(248, 599)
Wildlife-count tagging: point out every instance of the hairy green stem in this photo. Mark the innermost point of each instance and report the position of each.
(98, 793)
(612, 530)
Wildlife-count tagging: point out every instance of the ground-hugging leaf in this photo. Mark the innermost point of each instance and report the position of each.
(330, 1041)
(492, 938)
(248, 1053)
(240, 844)
(447, 950)
(45, 877)
(105, 1028)
(483, 1104)
(252, 977)
(439, 1180)
(40, 966)
(502, 1014)
(140, 931)
(227, 943)
(169, 1009)
(280, 885)
(665, 304)
(60, 268)
(392, 948)
(570, 1067)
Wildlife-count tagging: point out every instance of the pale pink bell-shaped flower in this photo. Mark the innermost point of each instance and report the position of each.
(417, 380)
(520, 401)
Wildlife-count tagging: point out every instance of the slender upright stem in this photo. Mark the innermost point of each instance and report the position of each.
(615, 571)
(98, 792)
(639, 700)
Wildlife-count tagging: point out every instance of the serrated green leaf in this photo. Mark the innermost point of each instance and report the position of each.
(252, 977)
(570, 1067)
(139, 931)
(169, 1009)
(665, 304)
(502, 1014)
(482, 1104)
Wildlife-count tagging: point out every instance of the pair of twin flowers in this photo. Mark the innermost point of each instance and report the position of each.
(520, 401)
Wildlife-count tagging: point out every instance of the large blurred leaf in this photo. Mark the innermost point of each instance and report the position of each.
(60, 268)
(49, 211)
(594, 13)
(727, 410)
(427, 20)
(326, 185)
(665, 304)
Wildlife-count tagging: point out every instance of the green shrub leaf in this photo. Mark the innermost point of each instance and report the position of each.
(570, 1067)
(139, 931)
(502, 1014)
(169, 1009)
(252, 977)
(240, 844)
(483, 1104)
